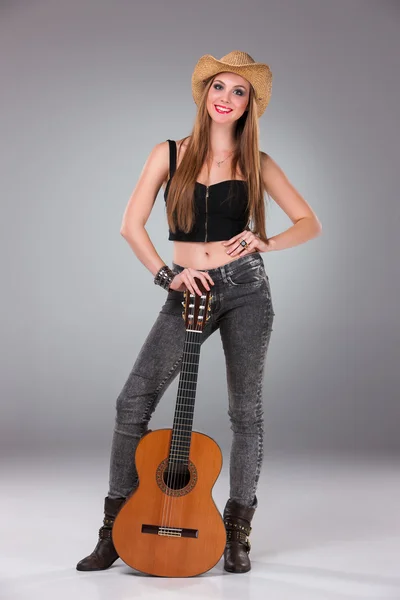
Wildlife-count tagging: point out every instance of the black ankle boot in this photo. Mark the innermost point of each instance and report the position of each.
(237, 519)
(104, 555)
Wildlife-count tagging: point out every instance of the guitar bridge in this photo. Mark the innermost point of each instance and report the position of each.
(170, 531)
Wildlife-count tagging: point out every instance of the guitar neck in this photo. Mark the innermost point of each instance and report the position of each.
(184, 410)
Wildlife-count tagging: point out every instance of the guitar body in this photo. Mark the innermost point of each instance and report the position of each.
(170, 525)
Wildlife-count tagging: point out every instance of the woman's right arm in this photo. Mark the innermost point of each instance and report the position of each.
(137, 212)
(140, 204)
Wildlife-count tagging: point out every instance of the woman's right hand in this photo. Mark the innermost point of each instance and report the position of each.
(185, 280)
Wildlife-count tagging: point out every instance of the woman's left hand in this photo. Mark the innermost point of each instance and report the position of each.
(254, 244)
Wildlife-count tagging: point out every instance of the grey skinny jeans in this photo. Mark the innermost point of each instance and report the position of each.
(242, 310)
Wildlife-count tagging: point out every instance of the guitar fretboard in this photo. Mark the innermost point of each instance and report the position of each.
(184, 410)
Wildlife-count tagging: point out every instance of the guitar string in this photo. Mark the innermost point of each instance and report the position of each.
(176, 476)
(173, 474)
(170, 474)
(166, 512)
(193, 372)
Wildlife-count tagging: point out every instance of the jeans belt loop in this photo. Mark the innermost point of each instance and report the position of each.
(223, 274)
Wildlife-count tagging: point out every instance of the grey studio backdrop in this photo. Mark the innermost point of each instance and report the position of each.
(87, 89)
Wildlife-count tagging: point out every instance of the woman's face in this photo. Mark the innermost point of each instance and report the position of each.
(228, 91)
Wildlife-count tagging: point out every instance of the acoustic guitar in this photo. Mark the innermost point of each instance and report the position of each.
(170, 526)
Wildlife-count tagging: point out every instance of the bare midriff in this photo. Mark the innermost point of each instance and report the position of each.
(201, 255)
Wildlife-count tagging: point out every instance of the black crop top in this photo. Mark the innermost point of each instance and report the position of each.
(219, 215)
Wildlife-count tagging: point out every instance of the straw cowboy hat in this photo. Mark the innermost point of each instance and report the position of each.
(258, 74)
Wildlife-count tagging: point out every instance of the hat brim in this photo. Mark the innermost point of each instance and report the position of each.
(257, 74)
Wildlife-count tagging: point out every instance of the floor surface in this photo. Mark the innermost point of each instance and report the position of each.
(324, 530)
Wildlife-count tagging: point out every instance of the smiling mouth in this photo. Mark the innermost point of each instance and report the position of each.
(221, 110)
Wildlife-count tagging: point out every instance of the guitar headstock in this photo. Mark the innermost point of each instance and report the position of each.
(196, 309)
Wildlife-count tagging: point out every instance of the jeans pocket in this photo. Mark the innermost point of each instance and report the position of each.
(248, 275)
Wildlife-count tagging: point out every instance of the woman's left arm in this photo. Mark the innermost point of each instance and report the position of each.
(306, 224)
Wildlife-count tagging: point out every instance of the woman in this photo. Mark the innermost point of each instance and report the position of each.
(215, 181)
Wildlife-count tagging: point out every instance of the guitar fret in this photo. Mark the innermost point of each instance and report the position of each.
(174, 454)
(176, 444)
(182, 429)
(184, 387)
(181, 442)
(185, 439)
(184, 414)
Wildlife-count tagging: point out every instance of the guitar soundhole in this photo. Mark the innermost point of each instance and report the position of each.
(176, 478)
(178, 481)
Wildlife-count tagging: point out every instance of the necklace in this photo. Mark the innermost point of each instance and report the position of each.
(219, 162)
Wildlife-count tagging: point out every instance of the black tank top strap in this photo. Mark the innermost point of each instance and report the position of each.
(172, 157)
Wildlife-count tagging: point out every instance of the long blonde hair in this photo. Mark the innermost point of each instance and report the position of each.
(180, 204)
